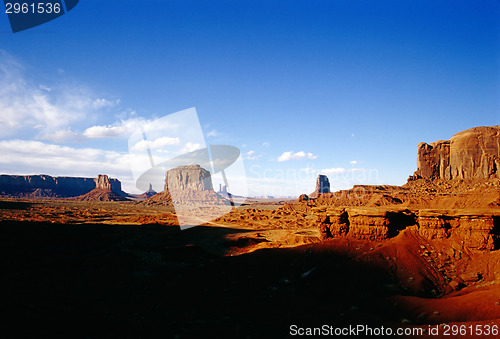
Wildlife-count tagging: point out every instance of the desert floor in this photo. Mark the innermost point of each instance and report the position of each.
(119, 269)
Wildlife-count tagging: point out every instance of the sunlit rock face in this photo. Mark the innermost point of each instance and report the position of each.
(470, 154)
(192, 177)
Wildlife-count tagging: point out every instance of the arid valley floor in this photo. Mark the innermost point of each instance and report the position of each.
(73, 268)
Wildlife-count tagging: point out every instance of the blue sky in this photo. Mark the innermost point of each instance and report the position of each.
(344, 88)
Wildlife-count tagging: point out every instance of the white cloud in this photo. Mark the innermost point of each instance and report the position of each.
(101, 132)
(36, 157)
(61, 135)
(39, 109)
(337, 170)
(286, 156)
(190, 147)
(120, 129)
(155, 144)
(213, 133)
(353, 162)
(266, 144)
(341, 170)
(308, 170)
(125, 127)
(45, 88)
(250, 155)
(27, 156)
(101, 103)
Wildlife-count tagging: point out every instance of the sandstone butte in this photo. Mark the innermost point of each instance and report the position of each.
(106, 189)
(454, 194)
(187, 185)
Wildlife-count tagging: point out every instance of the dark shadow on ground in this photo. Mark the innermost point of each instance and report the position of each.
(96, 281)
(15, 205)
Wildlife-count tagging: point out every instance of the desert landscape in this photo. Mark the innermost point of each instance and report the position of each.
(82, 258)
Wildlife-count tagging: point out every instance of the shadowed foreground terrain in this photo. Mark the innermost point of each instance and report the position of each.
(108, 269)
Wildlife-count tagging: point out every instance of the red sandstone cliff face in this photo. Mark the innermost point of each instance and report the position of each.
(28, 186)
(192, 177)
(470, 154)
(454, 195)
(187, 185)
(106, 189)
(471, 229)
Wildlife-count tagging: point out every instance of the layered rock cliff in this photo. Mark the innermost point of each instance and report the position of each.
(187, 185)
(192, 177)
(471, 229)
(30, 186)
(106, 189)
(470, 154)
(453, 196)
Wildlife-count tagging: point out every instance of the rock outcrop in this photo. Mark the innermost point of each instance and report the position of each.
(148, 194)
(106, 189)
(187, 185)
(470, 154)
(471, 229)
(478, 230)
(364, 223)
(322, 186)
(191, 177)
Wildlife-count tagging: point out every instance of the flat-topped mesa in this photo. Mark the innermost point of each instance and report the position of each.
(322, 186)
(187, 185)
(191, 177)
(470, 154)
(27, 186)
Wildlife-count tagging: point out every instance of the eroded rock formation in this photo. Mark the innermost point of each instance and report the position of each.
(191, 177)
(474, 230)
(322, 186)
(29, 186)
(470, 154)
(187, 185)
(106, 189)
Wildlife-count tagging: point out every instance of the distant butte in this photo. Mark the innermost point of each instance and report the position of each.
(105, 190)
(322, 186)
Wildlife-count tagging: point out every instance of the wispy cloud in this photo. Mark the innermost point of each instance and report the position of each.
(337, 170)
(213, 133)
(39, 110)
(26, 155)
(37, 157)
(101, 103)
(155, 144)
(191, 146)
(251, 155)
(287, 156)
(61, 136)
(341, 170)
